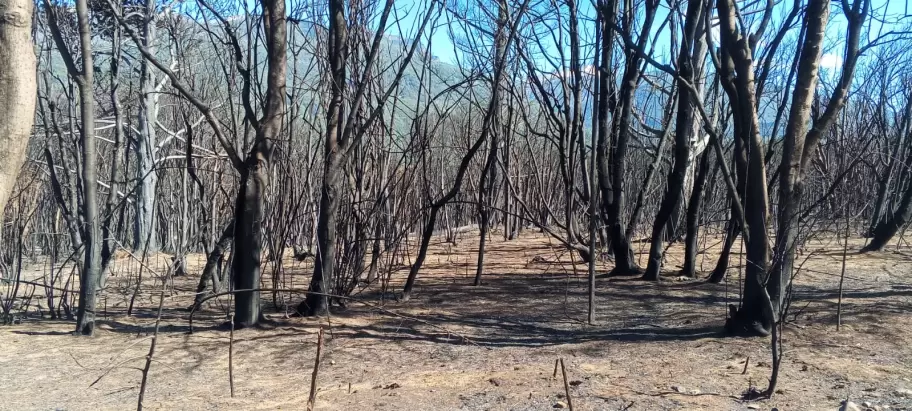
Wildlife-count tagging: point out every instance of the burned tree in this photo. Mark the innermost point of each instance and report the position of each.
(90, 277)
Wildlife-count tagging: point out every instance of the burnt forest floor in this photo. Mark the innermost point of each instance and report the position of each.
(455, 346)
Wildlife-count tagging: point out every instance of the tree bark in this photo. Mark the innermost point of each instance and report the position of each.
(317, 302)
(798, 147)
(18, 88)
(249, 211)
(694, 208)
(110, 239)
(488, 175)
(89, 280)
(144, 226)
(737, 74)
(91, 273)
(790, 173)
(213, 262)
(684, 130)
(616, 209)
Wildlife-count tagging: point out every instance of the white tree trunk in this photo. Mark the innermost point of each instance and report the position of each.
(145, 238)
(17, 88)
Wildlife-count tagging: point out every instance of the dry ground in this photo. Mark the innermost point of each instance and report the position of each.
(455, 346)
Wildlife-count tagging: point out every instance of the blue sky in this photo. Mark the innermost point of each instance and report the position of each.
(895, 11)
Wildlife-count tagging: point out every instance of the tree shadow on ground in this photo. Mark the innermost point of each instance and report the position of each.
(515, 308)
(546, 309)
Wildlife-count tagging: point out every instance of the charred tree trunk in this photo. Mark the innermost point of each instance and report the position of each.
(489, 173)
(886, 229)
(694, 208)
(90, 282)
(213, 262)
(737, 73)
(602, 131)
(90, 277)
(887, 177)
(616, 208)
(683, 132)
(798, 147)
(790, 173)
(248, 222)
(317, 301)
(109, 237)
(732, 231)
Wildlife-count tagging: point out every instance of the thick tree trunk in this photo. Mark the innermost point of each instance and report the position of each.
(684, 129)
(88, 232)
(91, 273)
(602, 132)
(616, 207)
(18, 88)
(144, 226)
(249, 211)
(886, 178)
(672, 197)
(737, 58)
(623, 253)
(750, 318)
(791, 172)
(317, 301)
(887, 229)
(248, 244)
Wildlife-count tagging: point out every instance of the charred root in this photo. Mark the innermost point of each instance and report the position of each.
(742, 323)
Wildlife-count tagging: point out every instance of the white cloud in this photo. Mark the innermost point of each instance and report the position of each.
(830, 61)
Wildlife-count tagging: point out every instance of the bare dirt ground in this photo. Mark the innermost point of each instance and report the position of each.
(459, 347)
